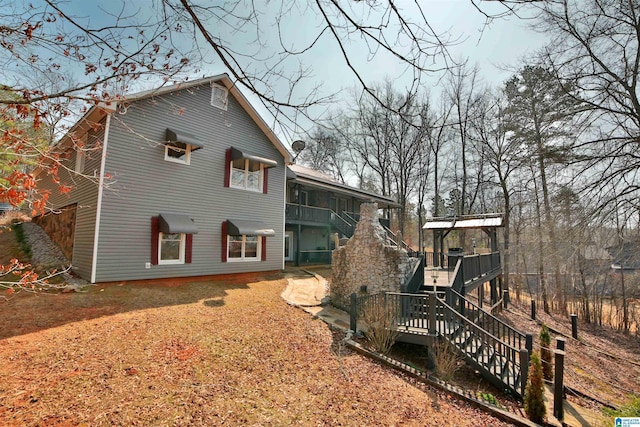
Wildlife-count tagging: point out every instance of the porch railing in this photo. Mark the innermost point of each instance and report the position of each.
(315, 257)
(307, 213)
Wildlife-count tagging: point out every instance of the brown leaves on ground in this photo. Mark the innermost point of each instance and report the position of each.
(222, 352)
(603, 363)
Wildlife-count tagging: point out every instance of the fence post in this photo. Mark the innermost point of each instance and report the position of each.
(560, 342)
(432, 313)
(574, 326)
(528, 343)
(524, 370)
(353, 313)
(533, 309)
(558, 387)
(505, 299)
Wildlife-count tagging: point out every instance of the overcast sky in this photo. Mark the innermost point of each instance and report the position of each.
(497, 46)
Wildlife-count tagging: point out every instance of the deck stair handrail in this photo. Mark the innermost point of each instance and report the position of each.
(347, 217)
(503, 362)
(485, 319)
(415, 281)
(341, 224)
(472, 268)
(394, 240)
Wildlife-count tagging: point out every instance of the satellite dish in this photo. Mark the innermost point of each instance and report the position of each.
(298, 146)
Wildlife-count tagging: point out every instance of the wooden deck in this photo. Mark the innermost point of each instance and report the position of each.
(445, 277)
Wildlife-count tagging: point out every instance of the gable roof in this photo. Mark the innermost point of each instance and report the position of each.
(233, 89)
(314, 178)
(96, 112)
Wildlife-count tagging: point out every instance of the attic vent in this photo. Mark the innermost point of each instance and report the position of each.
(219, 95)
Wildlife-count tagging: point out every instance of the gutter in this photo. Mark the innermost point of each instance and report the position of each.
(96, 235)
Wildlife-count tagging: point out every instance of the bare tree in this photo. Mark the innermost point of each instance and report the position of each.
(503, 157)
(596, 45)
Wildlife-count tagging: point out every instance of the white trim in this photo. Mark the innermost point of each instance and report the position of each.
(260, 187)
(187, 157)
(96, 235)
(258, 256)
(78, 167)
(284, 216)
(181, 258)
(288, 235)
(220, 102)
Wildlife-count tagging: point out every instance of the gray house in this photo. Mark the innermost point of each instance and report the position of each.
(182, 181)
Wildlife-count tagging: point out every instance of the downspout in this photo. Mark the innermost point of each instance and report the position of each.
(103, 160)
(284, 213)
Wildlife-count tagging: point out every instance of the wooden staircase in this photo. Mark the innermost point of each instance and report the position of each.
(494, 348)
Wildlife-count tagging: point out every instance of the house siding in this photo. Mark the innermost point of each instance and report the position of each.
(84, 193)
(143, 185)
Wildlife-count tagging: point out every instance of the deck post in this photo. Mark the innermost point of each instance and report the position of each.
(574, 326)
(533, 309)
(505, 299)
(560, 343)
(353, 313)
(528, 343)
(494, 292)
(432, 313)
(558, 387)
(524, 370)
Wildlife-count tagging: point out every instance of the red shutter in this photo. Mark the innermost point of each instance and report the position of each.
(155, 236)
(188, 250)
(224, 241)
(227, 167)
(264, 248)
(265, 180)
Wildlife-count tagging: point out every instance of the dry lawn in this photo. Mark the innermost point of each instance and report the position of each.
(220, 352)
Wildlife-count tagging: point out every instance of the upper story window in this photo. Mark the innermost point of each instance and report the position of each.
(219, 96)
(178, 154)
(247, 171)
(303, 198)
(179, 146)
(80, 154)
(247, 174)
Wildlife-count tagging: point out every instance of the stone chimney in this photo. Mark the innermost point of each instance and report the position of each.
(367, 263)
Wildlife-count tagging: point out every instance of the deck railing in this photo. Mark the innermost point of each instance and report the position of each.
(307, 213)
(315, 257)
(416, 280)
(499, 351)
(485, 320)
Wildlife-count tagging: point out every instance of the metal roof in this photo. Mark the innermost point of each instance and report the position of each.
(313, 178)
(453, 223)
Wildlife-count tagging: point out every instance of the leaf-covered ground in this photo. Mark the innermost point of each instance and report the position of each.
(602, 363)
(221, 352)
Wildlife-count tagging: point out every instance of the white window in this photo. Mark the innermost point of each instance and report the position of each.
(243, 248)
(179, 153)
(219, 96)
(80, 154)
(171, 248)
(246, 174)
